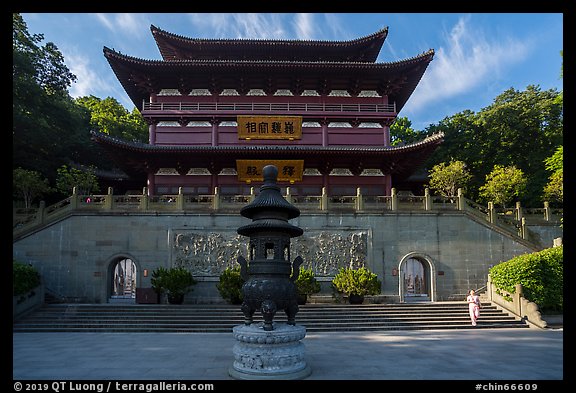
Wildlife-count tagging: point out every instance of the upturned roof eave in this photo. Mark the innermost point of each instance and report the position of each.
(340, 149)
(372, 75)
(114, 56)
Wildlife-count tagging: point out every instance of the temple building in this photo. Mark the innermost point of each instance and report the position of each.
(219, 110)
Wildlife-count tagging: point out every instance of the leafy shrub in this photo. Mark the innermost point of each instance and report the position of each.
(176, 281)
(306, 283)
(24, 278)
(230, 285)
(359, 281)
(541, 275)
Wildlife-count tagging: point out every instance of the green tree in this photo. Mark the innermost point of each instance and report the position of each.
(28, 185)
(515, 123)
(84, 180)
(503, 184)
(460, 144)
(402, 133)
(446, 179)
(554, 189)
(48, 129)
(37, 66)
(518, 123)
(110, 117)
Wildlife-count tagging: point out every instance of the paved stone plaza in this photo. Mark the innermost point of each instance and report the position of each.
(491, 355)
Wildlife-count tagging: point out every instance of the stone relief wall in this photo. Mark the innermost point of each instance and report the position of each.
(208, 254)
(327, 251)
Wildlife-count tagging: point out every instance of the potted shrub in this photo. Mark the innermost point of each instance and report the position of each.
(230, 285)
(24, 278)
(175, 282)
(356, 283)
(306, 284)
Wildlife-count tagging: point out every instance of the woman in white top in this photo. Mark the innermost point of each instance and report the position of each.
(474, 306)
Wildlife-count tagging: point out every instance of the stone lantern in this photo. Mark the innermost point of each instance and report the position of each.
(269, 349)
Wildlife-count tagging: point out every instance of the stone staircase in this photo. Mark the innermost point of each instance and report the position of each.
(219, 318)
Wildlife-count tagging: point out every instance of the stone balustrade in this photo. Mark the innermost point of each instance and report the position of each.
(513, 220)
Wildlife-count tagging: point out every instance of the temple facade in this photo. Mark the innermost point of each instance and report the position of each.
(219, 110)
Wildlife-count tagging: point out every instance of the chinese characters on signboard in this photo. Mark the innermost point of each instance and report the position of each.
(269, 127)
(251, 170)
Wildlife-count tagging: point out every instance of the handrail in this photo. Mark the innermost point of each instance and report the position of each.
(516, 304)
(268, 107)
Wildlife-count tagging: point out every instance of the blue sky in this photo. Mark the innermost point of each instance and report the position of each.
(477, 55)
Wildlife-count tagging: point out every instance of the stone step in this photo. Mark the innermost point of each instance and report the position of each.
(222, 318)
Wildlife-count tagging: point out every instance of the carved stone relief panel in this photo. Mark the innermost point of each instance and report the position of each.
(325, 251)
(206, 254)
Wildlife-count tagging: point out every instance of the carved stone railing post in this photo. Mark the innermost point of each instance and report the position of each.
(491, 213)
(144, 199)
(74, 199)
(359, 200)
(546, 211)
(518, 214)
(180, 199)
(427, 200)
(394, 201)
(288, 195)
(109, 200)
(252, 194)
(324, 200)
(523, 228)
(516, 296)
(461, 202)
(40, 213)
(216, 199)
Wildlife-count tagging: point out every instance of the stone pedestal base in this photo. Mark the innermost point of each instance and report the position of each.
(273, 354)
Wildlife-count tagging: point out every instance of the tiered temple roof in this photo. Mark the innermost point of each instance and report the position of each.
(245, 65)
(139, 158)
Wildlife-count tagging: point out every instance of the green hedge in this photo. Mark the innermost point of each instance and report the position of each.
(541, 275)
(24, 278)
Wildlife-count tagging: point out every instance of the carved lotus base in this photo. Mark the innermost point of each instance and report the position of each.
(274, 354)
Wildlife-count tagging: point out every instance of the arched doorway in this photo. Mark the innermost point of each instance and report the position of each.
(416, 281)
(123, 280)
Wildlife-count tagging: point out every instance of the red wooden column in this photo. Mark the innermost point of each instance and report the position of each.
(324, 123)
(152, 132)
(215, 122)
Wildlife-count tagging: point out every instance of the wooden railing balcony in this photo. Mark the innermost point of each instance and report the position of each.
(150, 108)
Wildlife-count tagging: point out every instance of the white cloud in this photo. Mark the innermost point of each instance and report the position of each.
(133, 24)
(130, 24)
(304, 25)
(466, 61)
(240, 25)
(90, 82)
(86, 78)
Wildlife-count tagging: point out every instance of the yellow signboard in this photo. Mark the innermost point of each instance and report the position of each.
(251, 170)
(269, 127)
